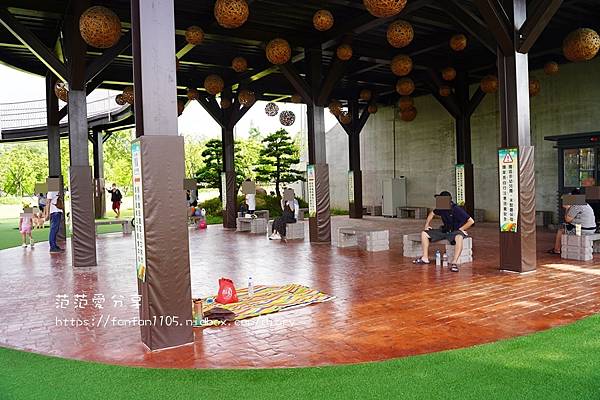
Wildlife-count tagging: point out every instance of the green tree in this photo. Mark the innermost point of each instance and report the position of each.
(277, 159)
(209, 174)
(193, 156)
(21, 166)
(117, 160)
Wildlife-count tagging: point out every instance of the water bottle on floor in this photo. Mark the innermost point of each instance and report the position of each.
(445, 258)
(438, 258)
(250, 287)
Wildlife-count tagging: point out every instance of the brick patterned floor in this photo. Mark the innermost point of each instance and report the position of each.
(385, 307)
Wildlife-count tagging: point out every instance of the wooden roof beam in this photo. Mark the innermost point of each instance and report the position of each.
(498, 23)
(536, 22)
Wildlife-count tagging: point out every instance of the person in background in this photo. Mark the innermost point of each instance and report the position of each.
(456, 222)
(41, 202)
(251, 201)
(115, 198)
(289, 216)
(25, 227)
(38, 220)
(575, 215)
(54, 210)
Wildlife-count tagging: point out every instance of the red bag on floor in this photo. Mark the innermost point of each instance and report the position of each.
(227, 292)
(202, 224)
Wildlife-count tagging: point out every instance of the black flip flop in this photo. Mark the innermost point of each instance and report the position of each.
(552, 251)
(419, 261)
(454, 268)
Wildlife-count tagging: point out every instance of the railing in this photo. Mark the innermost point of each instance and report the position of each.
(28, 114)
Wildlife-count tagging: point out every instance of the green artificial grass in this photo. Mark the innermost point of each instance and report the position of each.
(562, 363)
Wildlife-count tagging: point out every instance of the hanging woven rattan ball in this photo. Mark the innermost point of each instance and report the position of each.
(581, 45)
(489, 84)
(278, 51)
(372, 109)
(409, 114)
(405, 103)
(400, 34)
(100, 27)
(323, 20)
(366, 95)
(271, 109)
(335, 107)
(61, 90)
(231, 13)
(534, 87)
(344, 52)
(405, 86)
(239, 64)
(445, 91)
(345, 118)
(194, 35)
(384, 8)
(128, 94)
(449, 74)
(458, 42)
(296, 98)
(119, 100)
(246, 97)
(193, 94)
(401, 65)
(214, 84)
(287, 118)
(225, 103)
(551, 68)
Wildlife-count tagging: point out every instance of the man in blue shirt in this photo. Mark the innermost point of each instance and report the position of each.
(456, 222)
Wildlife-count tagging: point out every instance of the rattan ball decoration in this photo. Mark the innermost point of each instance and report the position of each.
(323, 20)
(335, 107)
(534, 87)
(366, 95)
(246, 97)
(61, 90)
(400, 34)
(100, 27)
(405, 86)
(231, 13)
(193, 94)
(128, 94)
(345, 118)
(384, 8)
(445, 91)
(458, 42)
(344, 52)
(409, 114)
(296, 98)
(405, 103)
(225, 103)
(372, 109)
(287, 118)
(119, 100)
(401, 65)
(551, 68)
(449, 74)
(489, 84)
(194, 35)
(271, 109)
(214, 84)
(581, 45)
(239, 64)
(278, 51)
(180, 107)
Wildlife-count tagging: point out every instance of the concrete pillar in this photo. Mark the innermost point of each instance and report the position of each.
(99, 186)
(163, 275)
(463, 141)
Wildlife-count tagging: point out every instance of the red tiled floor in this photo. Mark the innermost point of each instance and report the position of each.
(385, 307)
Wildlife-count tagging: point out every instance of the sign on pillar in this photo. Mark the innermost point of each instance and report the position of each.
(224, 192)
(460, 184)
(351, 187)
(138, 212)
(508, 160)
(318, 203)
(312, 191)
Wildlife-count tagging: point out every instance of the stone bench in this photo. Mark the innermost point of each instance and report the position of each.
(252, 225)
(125, 224)
(302, 214)
(365, 239)
(413, 248)
(294, 231)
(412, 212)
(580, 248)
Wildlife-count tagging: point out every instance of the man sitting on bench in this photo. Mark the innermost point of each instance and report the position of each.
(456, 222)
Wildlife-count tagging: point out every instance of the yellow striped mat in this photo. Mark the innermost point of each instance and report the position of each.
(266, 300)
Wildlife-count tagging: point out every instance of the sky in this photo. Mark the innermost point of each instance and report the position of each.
(18, 86)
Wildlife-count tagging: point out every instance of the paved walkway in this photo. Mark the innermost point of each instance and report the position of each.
(385, 307)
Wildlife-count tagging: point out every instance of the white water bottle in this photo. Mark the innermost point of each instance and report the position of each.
(250, 287)
(438, 258)
(445, 258)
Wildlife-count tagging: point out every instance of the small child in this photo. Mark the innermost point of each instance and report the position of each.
(25, 227)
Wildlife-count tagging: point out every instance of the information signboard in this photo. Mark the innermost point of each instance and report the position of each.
(138, 210)
(508, 164)
(312, 191)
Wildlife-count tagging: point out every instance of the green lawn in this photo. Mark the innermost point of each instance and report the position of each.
(562, 363)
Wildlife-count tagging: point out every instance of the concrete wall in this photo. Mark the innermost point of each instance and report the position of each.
(424, 150)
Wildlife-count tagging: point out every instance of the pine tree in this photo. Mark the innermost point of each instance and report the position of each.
(276, 160)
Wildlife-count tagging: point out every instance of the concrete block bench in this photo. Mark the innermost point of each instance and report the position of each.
(581, 248)
(412, 212)
(413, 248)
(294, 231)
(366, 239)
(125, 224)
(252, 225)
